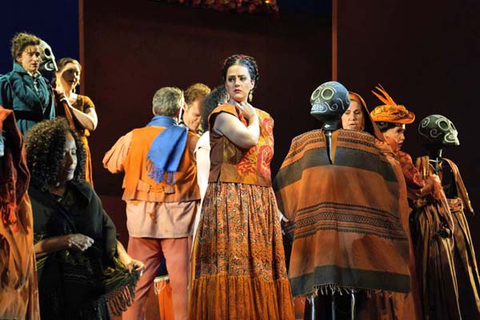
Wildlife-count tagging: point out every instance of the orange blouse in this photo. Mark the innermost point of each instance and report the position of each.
(230, 163)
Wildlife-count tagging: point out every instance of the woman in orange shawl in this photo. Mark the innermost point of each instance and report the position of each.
(433, 241)
(397, 305)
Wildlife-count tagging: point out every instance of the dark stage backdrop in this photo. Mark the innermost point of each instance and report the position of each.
(131, 51)
(56, 22)
(427, 56)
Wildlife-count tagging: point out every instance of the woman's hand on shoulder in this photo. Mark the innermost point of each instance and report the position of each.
(234, 130)
(247, 110)
(231, 127)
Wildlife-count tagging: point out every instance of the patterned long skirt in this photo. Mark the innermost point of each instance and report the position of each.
(239, 260)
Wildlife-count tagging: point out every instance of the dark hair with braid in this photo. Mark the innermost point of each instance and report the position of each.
(44, 145)
(243, 60)
(216, 97)
(384, 126)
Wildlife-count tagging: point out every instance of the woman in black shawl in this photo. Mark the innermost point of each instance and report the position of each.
(83, 271)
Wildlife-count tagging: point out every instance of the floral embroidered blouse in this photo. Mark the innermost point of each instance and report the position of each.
(230, 163)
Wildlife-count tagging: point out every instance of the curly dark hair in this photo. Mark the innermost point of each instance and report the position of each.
(217, 96)
(44, 145)
(243, 60)
(22, 40)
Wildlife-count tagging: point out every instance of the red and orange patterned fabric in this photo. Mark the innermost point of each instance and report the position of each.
(414, 180)
(239, 260)
(232, 164)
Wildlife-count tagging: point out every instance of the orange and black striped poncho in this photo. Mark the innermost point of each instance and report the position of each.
(346, 220)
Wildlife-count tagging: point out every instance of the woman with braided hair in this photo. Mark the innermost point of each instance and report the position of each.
(239, 259)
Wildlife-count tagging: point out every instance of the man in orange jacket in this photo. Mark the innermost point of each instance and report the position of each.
(162, 195)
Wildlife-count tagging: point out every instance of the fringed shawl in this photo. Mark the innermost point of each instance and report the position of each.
(79, 285)
(346, 228)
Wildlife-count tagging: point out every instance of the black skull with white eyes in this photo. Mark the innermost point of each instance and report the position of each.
(48, 63)
(436, 129)
(329, 101)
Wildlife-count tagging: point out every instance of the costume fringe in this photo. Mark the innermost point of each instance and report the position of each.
(158, 175)
(331, 289)
(121, 298)
(120, 289)
(116, 300)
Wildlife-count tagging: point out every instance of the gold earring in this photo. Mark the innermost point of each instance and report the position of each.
(250, 96)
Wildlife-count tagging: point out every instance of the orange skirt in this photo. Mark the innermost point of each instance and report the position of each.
(239, 260)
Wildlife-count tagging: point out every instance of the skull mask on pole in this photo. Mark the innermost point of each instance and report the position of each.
(437, 131)
(329, 102)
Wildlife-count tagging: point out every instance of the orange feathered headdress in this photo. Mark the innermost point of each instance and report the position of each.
(390, 111)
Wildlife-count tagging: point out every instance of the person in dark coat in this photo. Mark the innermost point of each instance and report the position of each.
(24, 90)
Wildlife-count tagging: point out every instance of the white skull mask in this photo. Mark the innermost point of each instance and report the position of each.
(48, 63)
